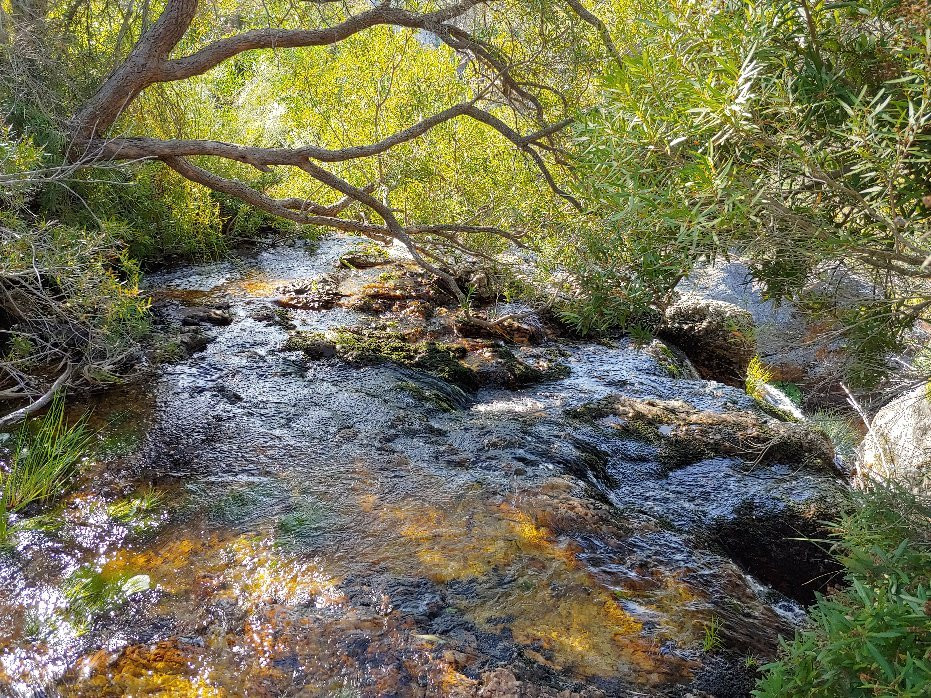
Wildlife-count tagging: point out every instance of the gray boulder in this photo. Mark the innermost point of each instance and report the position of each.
(718, 337)
(898, 445)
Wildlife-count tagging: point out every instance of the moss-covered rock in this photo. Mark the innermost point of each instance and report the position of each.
(718, 337)
(685, 435)
(317, 294)
(443, 361)
(516, 331)
(449, 400)
(672, 360)
(508, 370)
(364, 257)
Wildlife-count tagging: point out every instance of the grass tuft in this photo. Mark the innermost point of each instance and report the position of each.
(45, 458)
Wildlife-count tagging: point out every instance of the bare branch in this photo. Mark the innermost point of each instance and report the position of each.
(36, 405)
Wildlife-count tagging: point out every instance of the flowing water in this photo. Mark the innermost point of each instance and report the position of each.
(265, 525)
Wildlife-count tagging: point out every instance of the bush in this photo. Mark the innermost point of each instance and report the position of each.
(872, 638)
(69, 305)
(794, 136)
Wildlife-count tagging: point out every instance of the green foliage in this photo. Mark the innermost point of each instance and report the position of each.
(45, 458)
(795, 137)
(82, 308)
(791, 391)
(839, 429)
(872, 638)
(138, 511)
(757, 377)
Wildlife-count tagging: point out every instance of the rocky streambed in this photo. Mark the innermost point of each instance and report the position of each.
(340, 487)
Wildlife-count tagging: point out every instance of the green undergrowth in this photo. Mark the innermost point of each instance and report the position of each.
(139, 511)
(872, 637)
(757, 378)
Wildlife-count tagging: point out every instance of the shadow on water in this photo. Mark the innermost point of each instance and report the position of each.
(259, 524)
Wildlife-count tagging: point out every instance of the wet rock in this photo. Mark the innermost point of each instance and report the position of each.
(193, 340)
(441, 395)
(718, 337)
(479, 284)
(314, 345)
(364, 257)
(319, 294)
(798, 346)
(443, 361)
(685, 435)
(672, 359)
(523, 330)
(206, 316)
(898, 445)
(723, 677)
(278, 317)
(779, 546)
(498, 366)
(419, 599)
(502, 682)
(400, 289)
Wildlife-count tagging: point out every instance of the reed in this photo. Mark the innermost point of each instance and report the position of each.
(46, 456)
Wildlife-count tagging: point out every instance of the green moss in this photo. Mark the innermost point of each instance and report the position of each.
(791, 390)
(235, 506)
(685, 435)
(90, 593)
(440, 360)
(306, 522)
(138, 511)
(444, 402)
(524, 373)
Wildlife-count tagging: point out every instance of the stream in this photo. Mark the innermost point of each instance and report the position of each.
(260, 523)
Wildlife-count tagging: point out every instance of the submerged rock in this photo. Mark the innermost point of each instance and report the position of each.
(898, 445)
(318, 294)
(718, 337)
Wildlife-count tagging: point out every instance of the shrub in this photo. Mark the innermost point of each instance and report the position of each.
(69, 304)
(797, 136)
(873, 637)
(757, 377)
